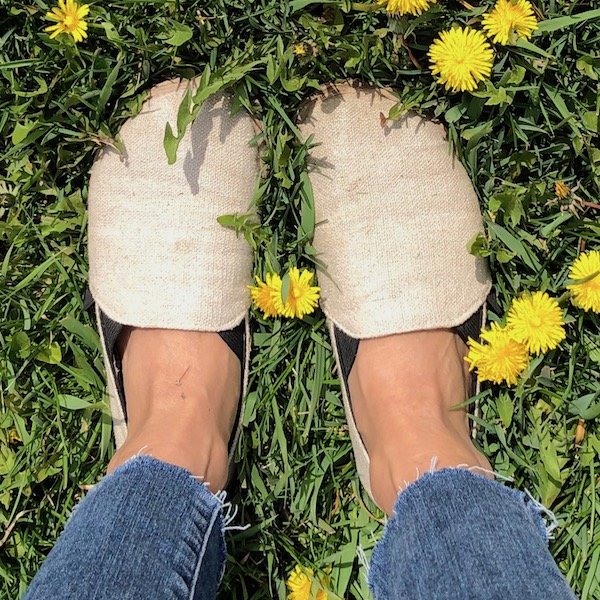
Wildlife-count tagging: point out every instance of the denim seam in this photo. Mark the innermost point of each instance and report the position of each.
(209, 530)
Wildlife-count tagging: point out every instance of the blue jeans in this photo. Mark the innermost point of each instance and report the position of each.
(151, 531)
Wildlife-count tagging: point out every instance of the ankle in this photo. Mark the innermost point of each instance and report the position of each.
(179, 374)
(206, 459)
(189, 419)
(182, 390)
(432, 445)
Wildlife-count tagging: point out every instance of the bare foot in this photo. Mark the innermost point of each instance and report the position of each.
(182, 390)
(404, 389)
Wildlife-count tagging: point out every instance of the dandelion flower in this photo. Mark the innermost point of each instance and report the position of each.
(299, 584)
(69, 17)
(406, 7)
(299, 49)
(265, 293)
(561, 189)
(508, 20)
(461, 58)
(499, 358)
(302, 298)
(586, 294)
(537, 321)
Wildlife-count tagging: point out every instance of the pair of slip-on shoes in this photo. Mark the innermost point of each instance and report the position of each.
(395, 212)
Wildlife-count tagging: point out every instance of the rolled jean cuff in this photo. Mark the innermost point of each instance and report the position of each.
(456, 534)
(149, 529)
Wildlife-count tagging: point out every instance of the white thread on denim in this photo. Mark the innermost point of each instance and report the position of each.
(139, 452)
(229, 513)
(402, 488)
(433, 467)
(491, 472)
(433, 463)
(546, 514)
(207, 535)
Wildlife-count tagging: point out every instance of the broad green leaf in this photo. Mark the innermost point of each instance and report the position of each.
(590, 66)
(505, 408)
(307, 209)
(515, 75)
(504, 256)
(549, 456)
(561, 218)
(84, 332)
(22, 130)
(474, 134)
(179, 34)
(108, 87)
(515, 245)
(556, 23)
(21, 344)
(50, 354)
(171, 143)
(73, 402)
(590, 120)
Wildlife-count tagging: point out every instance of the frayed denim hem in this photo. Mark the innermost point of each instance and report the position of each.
(148, 530)
(455, 476)
(456, 534)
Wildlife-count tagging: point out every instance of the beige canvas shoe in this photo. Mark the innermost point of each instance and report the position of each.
(395, 213)
(158, 257)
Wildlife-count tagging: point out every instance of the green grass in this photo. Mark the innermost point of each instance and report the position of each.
(296, 486)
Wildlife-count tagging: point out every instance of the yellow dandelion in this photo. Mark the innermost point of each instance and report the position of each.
(13, 436)
(302, 298)
(509, 20)
(69, 17)
(536, 320)
(461, 58)
(406, 7)
(300, 585)
(299, 49)
(586, 294)
(265, 293)
(499, 358)
(561, 189)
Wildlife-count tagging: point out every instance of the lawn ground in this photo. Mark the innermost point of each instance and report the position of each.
(296, 486)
